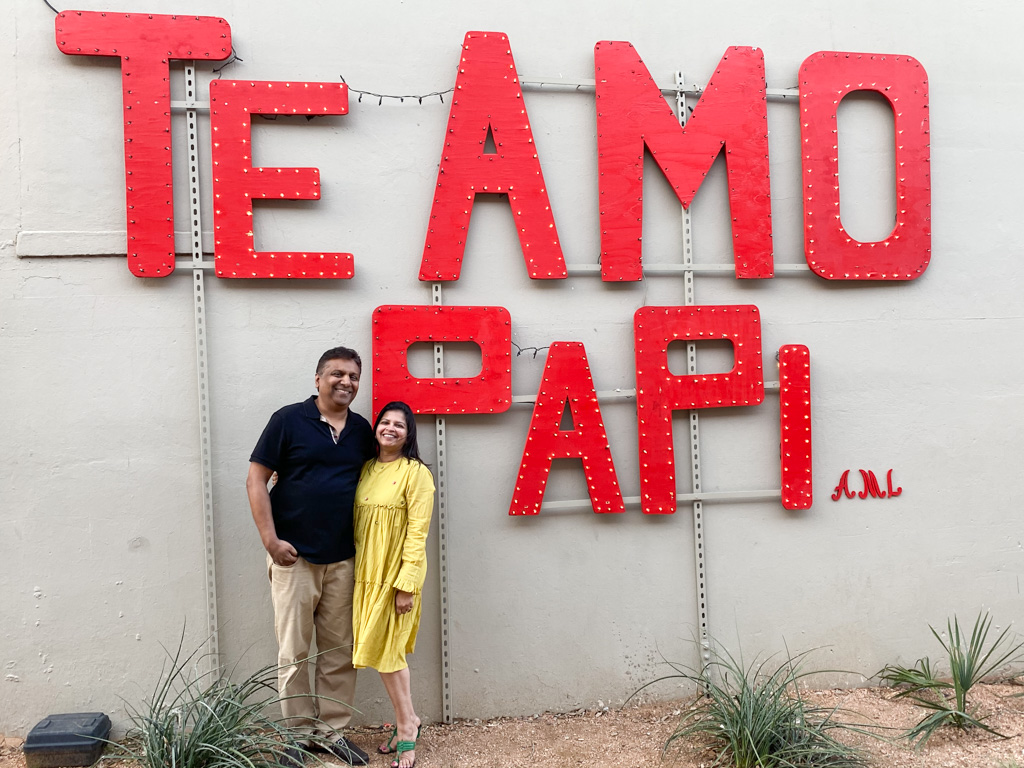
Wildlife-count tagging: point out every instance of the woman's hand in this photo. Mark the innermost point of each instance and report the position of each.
(403, 601)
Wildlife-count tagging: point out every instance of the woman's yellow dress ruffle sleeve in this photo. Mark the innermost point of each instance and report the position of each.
(394, 502)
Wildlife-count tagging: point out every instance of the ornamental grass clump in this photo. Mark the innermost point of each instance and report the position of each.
(196, 719)
(970, 660)
(756, 717)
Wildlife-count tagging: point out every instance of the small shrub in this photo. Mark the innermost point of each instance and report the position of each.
(970, 661)
(196, 719)
(756, 717)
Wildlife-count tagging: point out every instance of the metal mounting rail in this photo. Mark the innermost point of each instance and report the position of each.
(199, 308)
(444, 564)
(587, 85)
(570, 84)
(689, 299)
(612, 395)
(197, 264)
(681, 498)
(189, 105)
(578, 270)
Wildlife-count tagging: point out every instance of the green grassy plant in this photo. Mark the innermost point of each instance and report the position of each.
(197, 719)
(970, 660)
(756, 717)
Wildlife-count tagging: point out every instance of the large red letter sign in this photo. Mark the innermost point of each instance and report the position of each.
(488, 98)
(731, 114)
(825, 78)
(146, 43)
(236, 183)
(795, 426)
(396, 328)
(566, 379)
(659, 392)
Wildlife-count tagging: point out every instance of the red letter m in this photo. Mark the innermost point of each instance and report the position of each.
(632, 114)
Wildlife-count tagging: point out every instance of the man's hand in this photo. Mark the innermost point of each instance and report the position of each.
(282, 553)
(403, 601)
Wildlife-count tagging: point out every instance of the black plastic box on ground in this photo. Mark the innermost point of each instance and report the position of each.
(67, 740)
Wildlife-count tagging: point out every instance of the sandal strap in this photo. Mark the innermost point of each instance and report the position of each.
(400, 748)
(385, 749)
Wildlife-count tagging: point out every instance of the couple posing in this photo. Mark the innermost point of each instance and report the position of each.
(345, 529)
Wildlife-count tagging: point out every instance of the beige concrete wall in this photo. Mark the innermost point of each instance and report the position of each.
(102, 511)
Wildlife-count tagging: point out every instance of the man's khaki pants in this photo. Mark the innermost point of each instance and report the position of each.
(308, 596)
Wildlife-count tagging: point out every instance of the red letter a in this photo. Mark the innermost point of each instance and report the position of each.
(566, 378)
(488, 98)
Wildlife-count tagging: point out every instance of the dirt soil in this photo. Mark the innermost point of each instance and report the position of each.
(633, 737)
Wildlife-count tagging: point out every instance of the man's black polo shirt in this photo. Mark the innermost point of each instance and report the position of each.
(316, 479)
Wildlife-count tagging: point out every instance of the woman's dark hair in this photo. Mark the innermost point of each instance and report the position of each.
(411, 449)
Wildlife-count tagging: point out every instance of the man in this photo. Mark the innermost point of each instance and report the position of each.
(317, 448)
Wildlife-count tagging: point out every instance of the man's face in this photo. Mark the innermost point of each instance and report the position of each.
(338, 382)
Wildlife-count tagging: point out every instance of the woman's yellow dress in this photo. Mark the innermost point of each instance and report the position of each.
(394, 501)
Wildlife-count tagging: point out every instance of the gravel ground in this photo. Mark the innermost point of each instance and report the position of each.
(633, 737)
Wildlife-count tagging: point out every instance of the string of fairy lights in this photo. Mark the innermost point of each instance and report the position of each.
(525, 350)
(400, 98)
(380, 97)
(231, 60)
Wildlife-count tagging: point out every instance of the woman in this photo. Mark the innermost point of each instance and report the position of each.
(394, 501)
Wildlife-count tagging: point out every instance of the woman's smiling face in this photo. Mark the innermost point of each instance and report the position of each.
(392, 431)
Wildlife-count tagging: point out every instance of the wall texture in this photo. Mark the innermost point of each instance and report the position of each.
(102, 503)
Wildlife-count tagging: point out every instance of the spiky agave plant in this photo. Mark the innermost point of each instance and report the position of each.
(970, 661)
(202, 719)
(756, 717)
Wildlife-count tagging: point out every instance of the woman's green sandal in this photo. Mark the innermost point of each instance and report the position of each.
(400, 747)
(385, 749)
